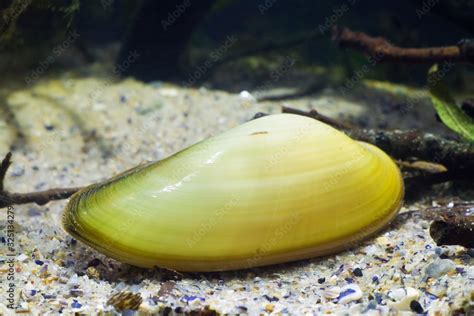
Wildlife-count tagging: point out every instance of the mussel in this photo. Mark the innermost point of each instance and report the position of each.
(276, 189)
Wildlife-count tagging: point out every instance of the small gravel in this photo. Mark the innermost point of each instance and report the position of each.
(79, 131)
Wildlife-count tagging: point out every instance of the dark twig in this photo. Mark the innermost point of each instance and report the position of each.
(318, 116)
(6, 162)
(382, 50)
(457, 157)
(40, 198)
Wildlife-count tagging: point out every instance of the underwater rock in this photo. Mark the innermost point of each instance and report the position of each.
(350, 293)
(439, 268)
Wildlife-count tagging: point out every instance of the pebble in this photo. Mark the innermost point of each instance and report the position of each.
(470, 252)
(416, 307)
(43, 273)
(169, 92)
(245, 95)
(439, 268)
(22, 257)
(49, 127)
(73, 281)
(438, 289)
(332, 292)
(76, 292)
(76, 304)
(372, 304)
(33, 211)
(22, 308)
(350, 293)
(403, 297)
(17, 171)
(382, 241)
(358, 272)
(247, 98)
(93, 273)
(269, 307)
(375, 279)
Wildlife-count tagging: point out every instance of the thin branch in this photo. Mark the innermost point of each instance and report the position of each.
(382, 50)
(457, 157)
(6, 162)
(40, 198)
(317, 116)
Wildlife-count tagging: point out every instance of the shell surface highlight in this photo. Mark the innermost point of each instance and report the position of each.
(279, 188)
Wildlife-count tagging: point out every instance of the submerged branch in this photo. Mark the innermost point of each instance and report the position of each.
(457, 157)
(317, 116)
(40, 197)
(382, 50)
(6, 162)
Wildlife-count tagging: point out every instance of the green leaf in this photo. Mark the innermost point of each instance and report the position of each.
(451, 115)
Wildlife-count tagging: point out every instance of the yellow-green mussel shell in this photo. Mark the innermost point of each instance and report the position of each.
(276, 189)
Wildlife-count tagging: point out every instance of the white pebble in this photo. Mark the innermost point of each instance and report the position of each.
(247, 98)
(403, 298)
(332, 292)
(73, 281)
(397, 294)
(22, 257)
(350, 293)
(168, 92)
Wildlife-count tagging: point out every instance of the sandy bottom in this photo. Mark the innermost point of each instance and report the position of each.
(79, 131)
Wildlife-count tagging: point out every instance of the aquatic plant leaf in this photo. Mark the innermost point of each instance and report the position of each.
(451, 115)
